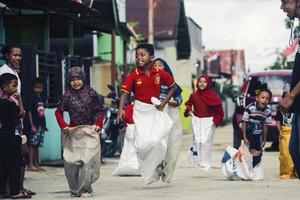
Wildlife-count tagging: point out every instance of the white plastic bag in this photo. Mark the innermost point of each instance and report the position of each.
(237, 165)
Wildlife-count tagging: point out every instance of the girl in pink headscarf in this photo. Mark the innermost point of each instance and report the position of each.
(205, 108)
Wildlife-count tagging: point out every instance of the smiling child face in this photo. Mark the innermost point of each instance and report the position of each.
(263, 99)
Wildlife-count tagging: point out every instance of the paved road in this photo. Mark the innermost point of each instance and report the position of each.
(188, 183)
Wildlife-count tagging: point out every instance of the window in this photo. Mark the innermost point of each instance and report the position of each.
(272, 82)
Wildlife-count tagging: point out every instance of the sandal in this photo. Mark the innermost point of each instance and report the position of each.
(29, 192)
(21, 195)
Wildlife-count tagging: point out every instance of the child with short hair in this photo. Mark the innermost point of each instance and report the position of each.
(284, 126)
(10, 143)
(37, 122)
(151, 126)
(257, 116)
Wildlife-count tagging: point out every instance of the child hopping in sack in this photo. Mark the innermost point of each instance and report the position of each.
(206, 110)
(255, 120)
(152, 123)
(175, 136)
(82, 142)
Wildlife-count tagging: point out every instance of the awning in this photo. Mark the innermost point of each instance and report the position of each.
(58, 6)
(101, 18)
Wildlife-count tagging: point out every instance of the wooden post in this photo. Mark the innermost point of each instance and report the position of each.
(151, 22)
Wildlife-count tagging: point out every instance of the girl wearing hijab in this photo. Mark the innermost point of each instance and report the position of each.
(84, 108)
(175, 137)
(205, 108)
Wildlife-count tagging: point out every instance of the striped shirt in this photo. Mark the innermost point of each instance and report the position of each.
(164, 92)
(256, 117)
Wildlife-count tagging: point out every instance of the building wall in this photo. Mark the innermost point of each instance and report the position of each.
(100, 73)
(182, 70)
(104, 48)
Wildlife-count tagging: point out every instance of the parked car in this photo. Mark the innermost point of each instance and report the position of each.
(274, 80)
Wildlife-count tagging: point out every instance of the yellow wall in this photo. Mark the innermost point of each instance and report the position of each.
(185, 122)
(100, 77)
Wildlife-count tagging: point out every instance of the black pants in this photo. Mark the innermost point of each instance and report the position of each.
(10, 153)
(255, 143)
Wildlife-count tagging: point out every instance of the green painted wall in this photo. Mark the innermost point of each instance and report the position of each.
(104, 48)
(185, 122)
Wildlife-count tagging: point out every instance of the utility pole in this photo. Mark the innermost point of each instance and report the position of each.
(151, 21)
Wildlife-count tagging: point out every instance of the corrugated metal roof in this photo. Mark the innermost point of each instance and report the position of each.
(166, 16)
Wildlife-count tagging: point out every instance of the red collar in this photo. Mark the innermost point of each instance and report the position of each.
(153, 70)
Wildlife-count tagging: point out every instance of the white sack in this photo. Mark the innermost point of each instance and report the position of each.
(237, 165)
(151, 136)
(128, 163)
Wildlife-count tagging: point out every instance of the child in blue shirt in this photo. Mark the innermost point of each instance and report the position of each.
(37, 122)
(255, 120)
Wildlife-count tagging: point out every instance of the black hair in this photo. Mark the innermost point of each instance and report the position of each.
(6, 78)
(6, 49)
(148, 47)
(284, 93)
(37, 80)
(264, 90)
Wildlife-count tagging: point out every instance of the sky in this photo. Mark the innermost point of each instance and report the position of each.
(257, 26)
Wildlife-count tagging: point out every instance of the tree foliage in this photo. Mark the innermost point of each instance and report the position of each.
(289, 24)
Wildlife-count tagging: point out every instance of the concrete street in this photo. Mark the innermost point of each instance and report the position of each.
(188, 183)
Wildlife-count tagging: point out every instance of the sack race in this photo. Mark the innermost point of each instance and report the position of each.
(151, 136)
(174, 144)
(200, 151)
(237, 165)
(286, 163)
(128, 163)
(82, 147)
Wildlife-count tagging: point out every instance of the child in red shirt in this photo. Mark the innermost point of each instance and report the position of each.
(206, 110)
(151, 125)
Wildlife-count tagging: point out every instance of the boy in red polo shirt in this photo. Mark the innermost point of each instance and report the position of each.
(151, 125)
